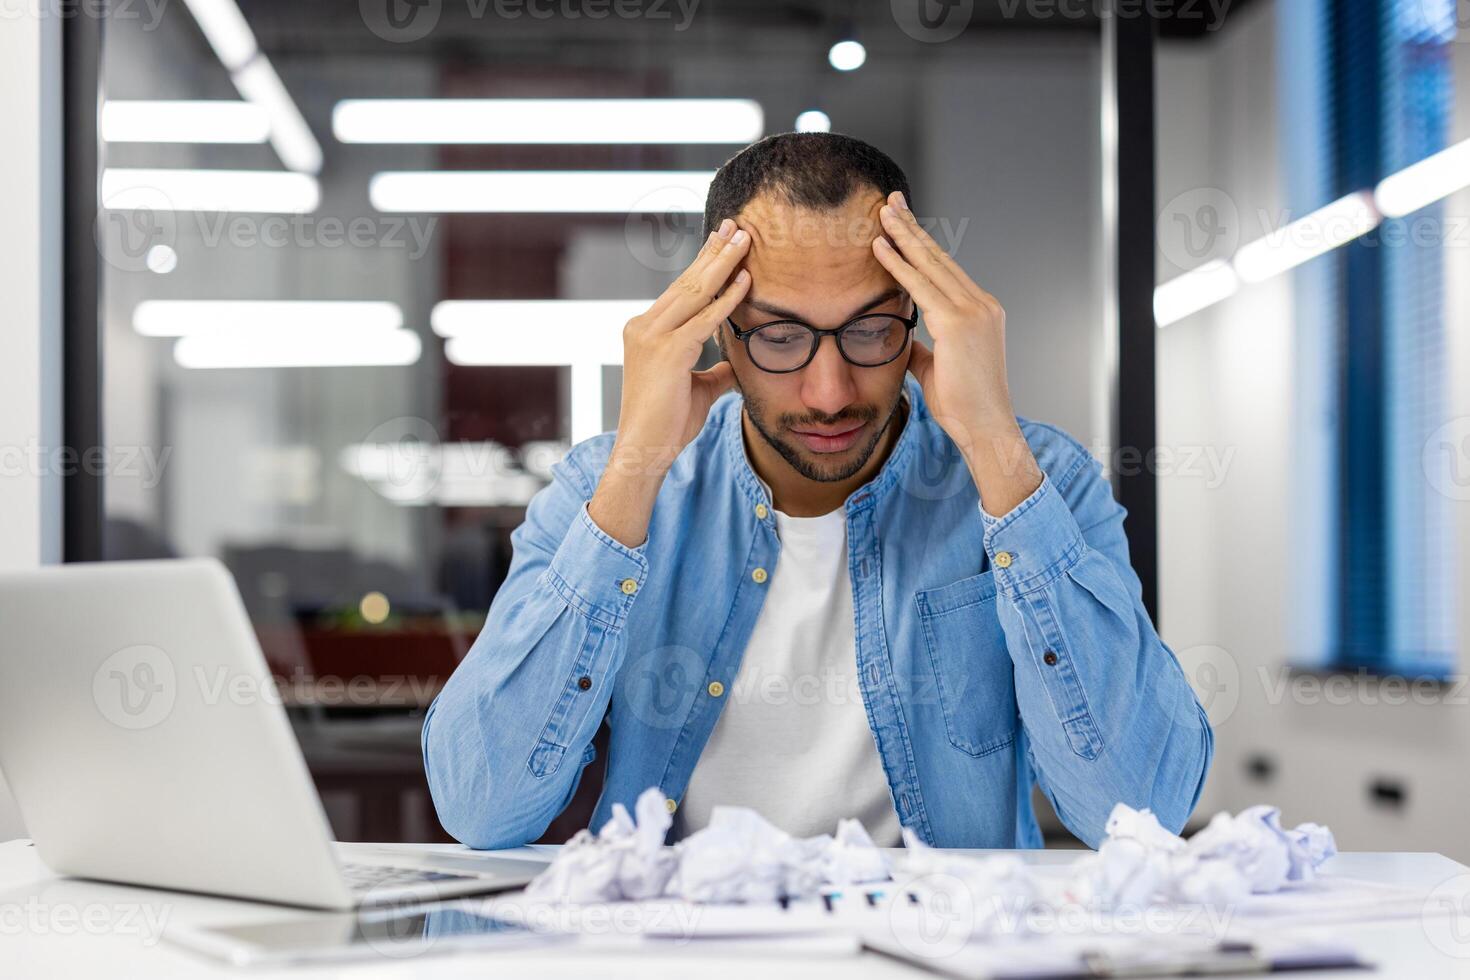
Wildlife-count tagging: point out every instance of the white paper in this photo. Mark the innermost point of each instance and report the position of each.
(740, 857)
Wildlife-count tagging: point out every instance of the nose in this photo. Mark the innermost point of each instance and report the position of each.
(826, 383)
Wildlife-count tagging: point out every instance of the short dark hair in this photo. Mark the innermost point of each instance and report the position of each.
(810, 170)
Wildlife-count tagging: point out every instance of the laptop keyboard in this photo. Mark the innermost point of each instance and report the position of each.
(364, 877)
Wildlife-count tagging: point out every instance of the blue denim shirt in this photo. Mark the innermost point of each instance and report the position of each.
(992, 653)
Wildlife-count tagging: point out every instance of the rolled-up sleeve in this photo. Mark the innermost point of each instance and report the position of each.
(1108, 712)
(506, 740)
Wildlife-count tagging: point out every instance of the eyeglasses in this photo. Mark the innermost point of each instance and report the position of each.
(783, 346)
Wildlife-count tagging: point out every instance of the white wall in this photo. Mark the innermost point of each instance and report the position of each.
(30, 412)
(1229, 575)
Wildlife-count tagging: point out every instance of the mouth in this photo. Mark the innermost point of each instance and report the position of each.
(832, 440)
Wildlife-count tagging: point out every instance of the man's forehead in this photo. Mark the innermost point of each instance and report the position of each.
(776, 225)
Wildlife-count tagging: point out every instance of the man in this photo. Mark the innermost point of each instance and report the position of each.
(856, 585)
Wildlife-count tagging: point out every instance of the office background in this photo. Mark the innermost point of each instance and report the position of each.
(365, 510)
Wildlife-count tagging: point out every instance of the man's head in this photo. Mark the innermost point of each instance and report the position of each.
(810, 203)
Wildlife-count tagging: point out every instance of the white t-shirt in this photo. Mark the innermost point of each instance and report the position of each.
(793, 740)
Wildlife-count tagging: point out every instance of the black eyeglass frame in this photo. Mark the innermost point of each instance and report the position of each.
(835, 333)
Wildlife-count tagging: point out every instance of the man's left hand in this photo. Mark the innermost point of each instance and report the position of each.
(964, 376)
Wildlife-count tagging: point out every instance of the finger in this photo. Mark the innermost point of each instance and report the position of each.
(713, 242)
(716, 380)
(699, 283)
(923, 253)
(925, 293)
(702, 325)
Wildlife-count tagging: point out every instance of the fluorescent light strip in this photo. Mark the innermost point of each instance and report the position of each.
(187, 317)
(1430, 180)
(298, 149)
(539, 327)
(225, 29)
(1416, 186)
(265, 191)
(275, 347)
(542, 191)
(583, 335)
(257, 82)
(183, 121)
(1306, 238)
(507, 121)
(1193, 291)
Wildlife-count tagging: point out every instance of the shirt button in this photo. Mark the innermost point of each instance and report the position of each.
(629, 586)
(716, 689)
(670, 805)
(759, 575)
(1049, 658)
(584, 683)
(1002, 559)
(760, 511)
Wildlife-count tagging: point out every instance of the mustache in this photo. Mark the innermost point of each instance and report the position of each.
(853, 413)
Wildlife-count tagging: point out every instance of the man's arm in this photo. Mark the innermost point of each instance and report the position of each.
(1108, 712)
(507, 738)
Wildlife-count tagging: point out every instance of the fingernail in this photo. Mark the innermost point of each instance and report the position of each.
(741, 276)
(901, 202)
(725, 227)
(739, 237)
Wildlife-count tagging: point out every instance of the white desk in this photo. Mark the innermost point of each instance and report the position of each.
(56, 927)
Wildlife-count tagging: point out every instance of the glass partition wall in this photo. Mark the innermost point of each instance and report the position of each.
(365, 269)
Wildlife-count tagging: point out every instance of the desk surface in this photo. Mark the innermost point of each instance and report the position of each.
(53, 926)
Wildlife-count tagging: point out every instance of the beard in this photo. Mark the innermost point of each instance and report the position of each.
(814, 466)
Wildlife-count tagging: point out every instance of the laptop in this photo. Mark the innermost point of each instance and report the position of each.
(145, 744)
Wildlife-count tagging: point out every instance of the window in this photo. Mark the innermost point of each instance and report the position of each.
(1372, 368)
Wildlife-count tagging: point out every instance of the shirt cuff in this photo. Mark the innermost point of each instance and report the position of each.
(1034, 543)
(597, 574)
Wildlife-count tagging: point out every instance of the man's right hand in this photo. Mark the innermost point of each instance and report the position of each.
(665, 401)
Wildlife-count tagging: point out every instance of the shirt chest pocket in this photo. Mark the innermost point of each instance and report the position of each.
(973, 674)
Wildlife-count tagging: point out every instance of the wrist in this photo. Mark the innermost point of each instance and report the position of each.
(1003, 467)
